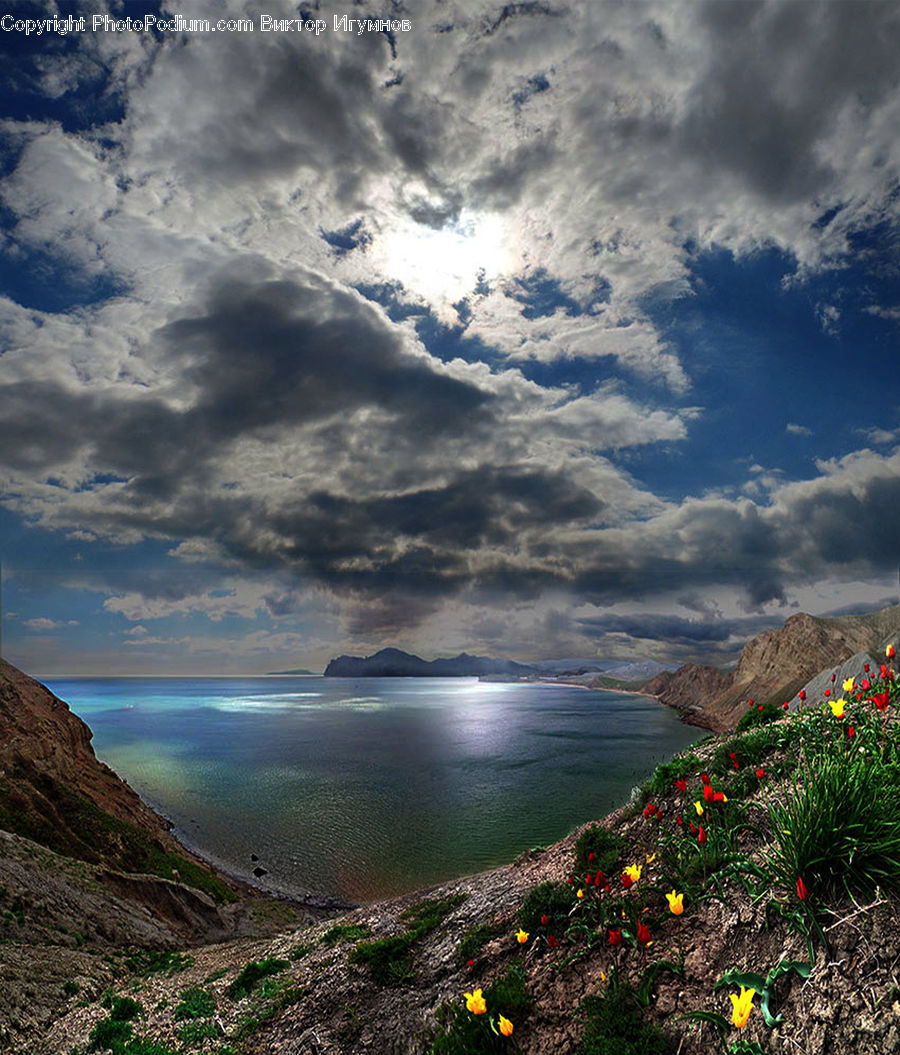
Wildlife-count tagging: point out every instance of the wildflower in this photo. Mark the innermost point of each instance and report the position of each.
(676, 906)
(651, 859)
(633, 872)
(760, 773)
(760, 708)
(580, 894)
(866, 668)
(475, 1002)
(833, 676)
(866, 686)
(544, 920)
(828, 692)
(851, 732)
(598, 879)
(785, 705)
(693, 828)
(679, 820)
(627, 881)
(643, 934)
(470, 963)
(743, 1005)
(708, 793)
(587, 879)
(889, 652)
(699, 808)
(615, 938)
(837, 707)
(522, 936)
(551, 941)
(505, 1026)
(802, 892)
(591, 856)
(802, 694)
(704, 777)
(734, 761)
(571, 880)
(848, 685)
(681, 784)
(883, 670)
(701, 836)
(720, 796)
(881, 700)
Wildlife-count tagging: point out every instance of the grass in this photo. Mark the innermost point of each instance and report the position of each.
(253, 973)
(553, 900)
(615, 1026)
(606, 846)
(195, 1003)
(388, 959)
(477, 937)
(463, 1033)
(167, 962)
(840, 830)
(344, 932)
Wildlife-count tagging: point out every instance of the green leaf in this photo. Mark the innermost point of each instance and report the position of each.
(735, 977)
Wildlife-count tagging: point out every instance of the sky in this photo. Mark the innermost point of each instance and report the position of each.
(529, 329)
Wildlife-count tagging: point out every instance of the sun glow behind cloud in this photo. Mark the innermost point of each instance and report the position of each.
(445, 264)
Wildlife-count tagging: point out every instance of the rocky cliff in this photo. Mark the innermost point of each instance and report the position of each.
(772, 667)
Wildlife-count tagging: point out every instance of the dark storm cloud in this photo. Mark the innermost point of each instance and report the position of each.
(779, 75)
(661, 627)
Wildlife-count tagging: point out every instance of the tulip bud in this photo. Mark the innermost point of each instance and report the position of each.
(802, 892)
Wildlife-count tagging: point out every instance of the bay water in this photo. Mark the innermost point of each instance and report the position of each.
(365, 788)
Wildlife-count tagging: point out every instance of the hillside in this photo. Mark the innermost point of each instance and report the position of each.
(394, 663)
(391, 977)
(773, 666)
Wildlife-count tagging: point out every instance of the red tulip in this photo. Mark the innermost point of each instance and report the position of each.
(591, 856)
(883, 670)
(833, 676)
(802, 694)
(544, 921)
(615, 938)
(784, 706)
(889, 652)
(760, 707)
(598, 879)
(881, 700)
(571, 880)
(679, 822)
(693, 828)
(681, 784)
(701, 836)
(719, 796)
(470, 963)
(587, 879)
(866, 668)
(704, 777)
(627, 881)
(643, 934)
(552, 942)
(708, 792)
(851, 732)
(865, 684)
(760, 773)
(828, 692)
(802, 892)
(750, 702)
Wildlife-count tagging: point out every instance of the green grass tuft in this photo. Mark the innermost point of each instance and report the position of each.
(253, 973)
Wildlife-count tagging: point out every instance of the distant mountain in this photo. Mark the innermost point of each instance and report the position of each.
(394, 663)
(298, 670)
(773, 666)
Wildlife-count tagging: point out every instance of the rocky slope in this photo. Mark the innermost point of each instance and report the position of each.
(773, 666)
(87, 870)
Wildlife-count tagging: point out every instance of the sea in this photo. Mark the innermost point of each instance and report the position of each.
(358, 789)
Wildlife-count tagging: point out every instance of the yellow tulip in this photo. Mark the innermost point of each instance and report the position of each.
(743, 1005)
(475, 1002)
(676, 906)
(837, 707)
(633, 872)
(651, 859)
(848, 685)
(506, 1027)
(522, 936)
(580, 894)
(699, 808)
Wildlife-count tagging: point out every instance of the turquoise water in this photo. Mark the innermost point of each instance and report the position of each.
(364, 788)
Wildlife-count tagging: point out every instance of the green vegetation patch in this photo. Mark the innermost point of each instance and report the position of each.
(468, 1034)
(477, 937)
(253, 973)
(604, 845)
(550, 899)
(343, 932)
(667, 773)
(195, 1003)
(167, 962)
(615, 1027)
(388, 959)
(196, 1032)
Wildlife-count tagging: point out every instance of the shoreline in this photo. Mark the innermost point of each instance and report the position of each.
(698, 719)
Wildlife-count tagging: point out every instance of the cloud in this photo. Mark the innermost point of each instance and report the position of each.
(42, 623)
(794, 429)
